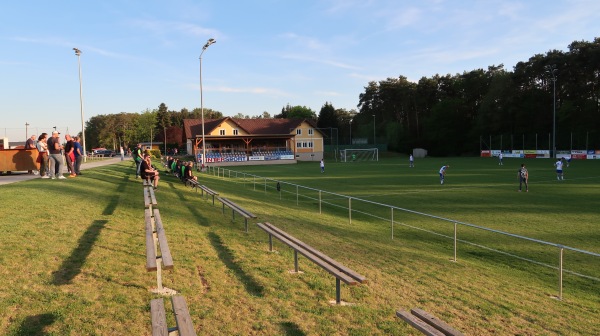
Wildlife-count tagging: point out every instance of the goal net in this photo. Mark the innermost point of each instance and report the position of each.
(355, 155)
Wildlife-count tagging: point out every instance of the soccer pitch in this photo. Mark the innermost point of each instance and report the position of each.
(494, 221)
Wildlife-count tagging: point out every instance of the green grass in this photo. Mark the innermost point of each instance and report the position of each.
(72, 252)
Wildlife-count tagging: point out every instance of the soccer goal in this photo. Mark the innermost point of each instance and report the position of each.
(355, 155)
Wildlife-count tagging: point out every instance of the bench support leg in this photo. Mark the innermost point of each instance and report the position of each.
(246, 224)
(270, 243)
(338, 289)
(295, 261)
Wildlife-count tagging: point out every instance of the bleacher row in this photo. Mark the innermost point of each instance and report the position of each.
(156, 242)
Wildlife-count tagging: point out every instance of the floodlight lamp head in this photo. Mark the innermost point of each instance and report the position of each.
(208, 43)
(77, 51)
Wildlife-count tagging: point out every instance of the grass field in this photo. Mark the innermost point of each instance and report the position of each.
(73, 251)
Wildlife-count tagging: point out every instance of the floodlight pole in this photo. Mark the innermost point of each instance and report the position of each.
(350, 131)
(208, 43)
(551, 70)
(26, 130)
(78, 54)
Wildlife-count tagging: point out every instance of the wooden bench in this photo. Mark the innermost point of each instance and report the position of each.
(156, 240)
(192, 183)
(183, 321)
(209, 191)
(149, 198)
(147, 183)
(236, 208)
(339, 271)
(427, 323)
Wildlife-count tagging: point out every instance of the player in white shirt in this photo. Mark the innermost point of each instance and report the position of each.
(500, 157)
(559, 170)
(443, 173)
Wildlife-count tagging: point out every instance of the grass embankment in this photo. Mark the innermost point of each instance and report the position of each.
(73, 256)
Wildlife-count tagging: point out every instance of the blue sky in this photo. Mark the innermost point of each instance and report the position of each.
(138, 54)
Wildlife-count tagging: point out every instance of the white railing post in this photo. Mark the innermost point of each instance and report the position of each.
(560, 275)
(392, 223)
(320, 202)
(297, 194)
(350, 209)
(455, 242)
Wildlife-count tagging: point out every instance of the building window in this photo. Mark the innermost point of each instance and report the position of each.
(298, 145)
(235, 132)
(299, 131)
(221, 132)
(310, 131)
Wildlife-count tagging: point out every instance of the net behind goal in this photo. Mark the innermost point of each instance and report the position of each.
(366, 154)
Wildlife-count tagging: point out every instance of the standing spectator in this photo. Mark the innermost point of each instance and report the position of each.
(55, 158)
(78, 151)
(411, 161)
(30, 144)
(500, 157)
(42, 148)
(122, 153)
(323, 166)
(148, 172)
(559, 170)
(523, 175)
(137, 157)
(443, 173)
(69, 155)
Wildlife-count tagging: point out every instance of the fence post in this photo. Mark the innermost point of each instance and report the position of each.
(320, 202)
(455, 242)
(350, 209)
(392, 223)
(265, 184)
(560, 276)
(296, 194)
(254, 181)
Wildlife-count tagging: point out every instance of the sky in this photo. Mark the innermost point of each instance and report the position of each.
(268, 53)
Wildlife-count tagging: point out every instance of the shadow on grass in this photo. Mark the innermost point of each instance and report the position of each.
(196, 215)
(291, 329)
(226, 256)
(114, 201)
(35, 325)
(72, 265)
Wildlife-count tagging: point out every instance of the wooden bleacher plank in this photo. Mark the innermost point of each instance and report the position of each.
(327, 267)
(165, 253)
(146, 198)
(418, 324)
(329, 260)
(150, 249)
(152, 196)
(438, 324)
(159, 318)
(182, 316)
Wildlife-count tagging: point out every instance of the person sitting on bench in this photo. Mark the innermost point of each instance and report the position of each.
(189, 174)
(148, 172)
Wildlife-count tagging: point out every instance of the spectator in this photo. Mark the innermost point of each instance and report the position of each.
(70, 155)
(78, 151)
(42, 159)
(148, 172)
(30, 144)
(137, 157)
(55, 157)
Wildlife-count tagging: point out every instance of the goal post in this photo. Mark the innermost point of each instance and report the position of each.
(356, 154)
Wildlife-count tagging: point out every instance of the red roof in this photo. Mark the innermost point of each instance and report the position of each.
(193, 127)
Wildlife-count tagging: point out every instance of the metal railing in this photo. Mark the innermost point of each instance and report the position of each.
(264, 184)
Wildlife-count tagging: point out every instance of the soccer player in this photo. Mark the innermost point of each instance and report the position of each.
(322, 164)
(523, 176)
(559, 169)
(411, 161)
(500, 157)
(443, 173)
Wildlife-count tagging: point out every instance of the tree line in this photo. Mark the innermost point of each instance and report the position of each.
(446, 114)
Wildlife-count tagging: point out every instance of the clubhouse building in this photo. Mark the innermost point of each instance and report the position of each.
(233, 140)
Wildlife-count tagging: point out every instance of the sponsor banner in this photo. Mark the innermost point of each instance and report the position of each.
(271, 157)
(486, 153)
(578, 152)
(560, 153)
(529, 152)
(256, 158)
(510, 155)
(579, 156)
(597, 151)
(530, 156)
(591, 152)
(545, 151)
(593, 157)
(542, 155)
(234, 158)
(517, 152)
(213, 160)
(287, 157)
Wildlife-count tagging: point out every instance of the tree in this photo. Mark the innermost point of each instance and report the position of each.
(327, 117)
(300, 112)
